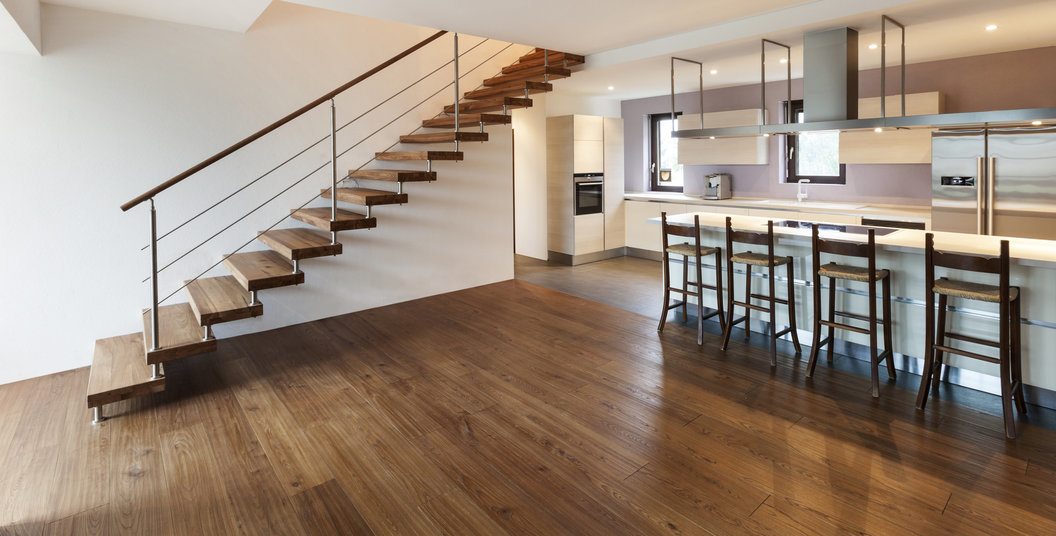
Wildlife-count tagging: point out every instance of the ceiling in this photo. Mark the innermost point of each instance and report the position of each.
(584, 26)
(936, 29)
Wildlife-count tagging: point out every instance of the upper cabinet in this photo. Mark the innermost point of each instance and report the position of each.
(890, 146)
(588, 128)
(723, 151)
(588, 156)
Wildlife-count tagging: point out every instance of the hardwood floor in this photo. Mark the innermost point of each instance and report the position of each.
(510, 408)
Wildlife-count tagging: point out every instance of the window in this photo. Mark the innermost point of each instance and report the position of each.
(665, 173)
(814, 156)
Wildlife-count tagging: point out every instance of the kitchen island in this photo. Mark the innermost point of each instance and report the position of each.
(902, 252)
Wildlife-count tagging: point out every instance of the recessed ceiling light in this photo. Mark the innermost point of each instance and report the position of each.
(873, 46)
(878, 129)
(991, 27)
(784, 60)
(766, 134)
(1036, 123)
(612, 88)
(711, 137)
(714, 71)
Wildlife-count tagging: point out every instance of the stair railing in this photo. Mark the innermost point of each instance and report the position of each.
(334, 155)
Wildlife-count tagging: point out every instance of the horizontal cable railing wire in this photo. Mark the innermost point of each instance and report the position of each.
(316, 196)
(316, 170)
(306, 149)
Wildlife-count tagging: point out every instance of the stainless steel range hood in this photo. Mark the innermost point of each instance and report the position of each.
(830, 95)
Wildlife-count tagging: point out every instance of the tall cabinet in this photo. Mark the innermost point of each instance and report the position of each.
(584, 144)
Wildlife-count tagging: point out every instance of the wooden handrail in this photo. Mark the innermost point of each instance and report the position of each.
(260, 133)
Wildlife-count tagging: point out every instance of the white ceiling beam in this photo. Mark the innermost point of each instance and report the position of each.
(20, 26)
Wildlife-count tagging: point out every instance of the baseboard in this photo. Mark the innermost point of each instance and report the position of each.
(644, 254)
(575, 260)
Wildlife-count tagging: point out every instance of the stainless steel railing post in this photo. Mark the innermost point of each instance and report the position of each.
(333, 168)
(457, 120)
(155, 336)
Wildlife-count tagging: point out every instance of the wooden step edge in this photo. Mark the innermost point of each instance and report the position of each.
(509, 90)
(464, 121)
(393, 175)
(321, 247)
(285, 279)
(197, 291)
(344, 222)
(444, 137)
(527, 74)
(119, 372)
(190, 339)
(367, 197)
(399, 156)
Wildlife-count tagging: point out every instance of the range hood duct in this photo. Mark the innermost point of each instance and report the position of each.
(830, 75)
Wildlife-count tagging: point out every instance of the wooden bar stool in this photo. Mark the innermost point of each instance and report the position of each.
(770, 262)
(690, 251)
(1008, 343)
(868, 274)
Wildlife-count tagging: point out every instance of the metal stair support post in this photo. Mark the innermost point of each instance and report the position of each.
(456, 92)
(154, 335)
(333, 170)
(546, 67)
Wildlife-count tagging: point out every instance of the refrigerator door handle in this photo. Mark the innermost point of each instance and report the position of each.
(991, 178)
(980, 206)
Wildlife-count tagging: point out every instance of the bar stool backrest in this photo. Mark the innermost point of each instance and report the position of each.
(970, 263)
(680, 230)
(750, 237)
(839, 247)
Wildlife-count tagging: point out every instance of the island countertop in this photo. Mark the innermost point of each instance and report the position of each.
(1027, 251)
(917, 214)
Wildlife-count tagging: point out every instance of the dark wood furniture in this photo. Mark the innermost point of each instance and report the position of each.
(868, 274)
(1008, 343)
(695, 252)
(769, 261)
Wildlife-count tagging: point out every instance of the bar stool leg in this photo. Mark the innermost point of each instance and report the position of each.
(929, 349)
(832, 318)
(940, 338)
(747, 299)
(792, 309)
(667, 292)
(874, 354)
(773, 315)
(730, 307)
(718, 289)
(1006, 373)
(888, 346)
(685, 288)
(700, 303)
(1017, 364)
(816, 340)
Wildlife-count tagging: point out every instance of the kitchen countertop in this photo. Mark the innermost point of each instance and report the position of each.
(1027, 251)
(894, 212)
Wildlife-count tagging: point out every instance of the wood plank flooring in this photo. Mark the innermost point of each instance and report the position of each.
(510, 409)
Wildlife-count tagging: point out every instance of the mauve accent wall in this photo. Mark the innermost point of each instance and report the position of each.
(1006, 80)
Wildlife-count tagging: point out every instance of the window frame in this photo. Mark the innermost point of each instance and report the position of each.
(654, 153)
(792, 163)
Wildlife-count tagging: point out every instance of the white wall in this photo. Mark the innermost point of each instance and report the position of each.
(119, 104)
(529, 126)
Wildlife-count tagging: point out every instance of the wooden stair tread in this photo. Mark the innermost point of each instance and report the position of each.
(467, 120)
(119, 371)
(489, 104)
(533, 73)
(346, 220)
(393, 175)
(260, 270)
(395, 156)
(215, 300)
(513, 89)
(555, 56)
(180, 334)
(367, 197)
(298, 243)
(443, 137)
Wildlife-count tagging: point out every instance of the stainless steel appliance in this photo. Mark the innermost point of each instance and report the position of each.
(999, 181)
(588, 193)
(718, 186)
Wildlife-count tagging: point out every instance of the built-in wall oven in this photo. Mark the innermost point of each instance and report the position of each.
(588, 193)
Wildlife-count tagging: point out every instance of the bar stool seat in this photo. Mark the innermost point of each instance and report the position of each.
(758, 259)
(851, 273)
(690, 250)
(972, 291)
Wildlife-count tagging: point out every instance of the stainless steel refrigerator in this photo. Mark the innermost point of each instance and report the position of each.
(998, 181)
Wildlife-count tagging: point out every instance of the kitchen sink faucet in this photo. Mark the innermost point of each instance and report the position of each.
(801, 192)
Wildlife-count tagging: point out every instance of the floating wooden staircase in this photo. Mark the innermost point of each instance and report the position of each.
(131, 365)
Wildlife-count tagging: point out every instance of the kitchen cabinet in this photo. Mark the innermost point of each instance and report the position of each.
(723, 151)
(614, 183)
(643, 234)
(890, 146)
(584, 144)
